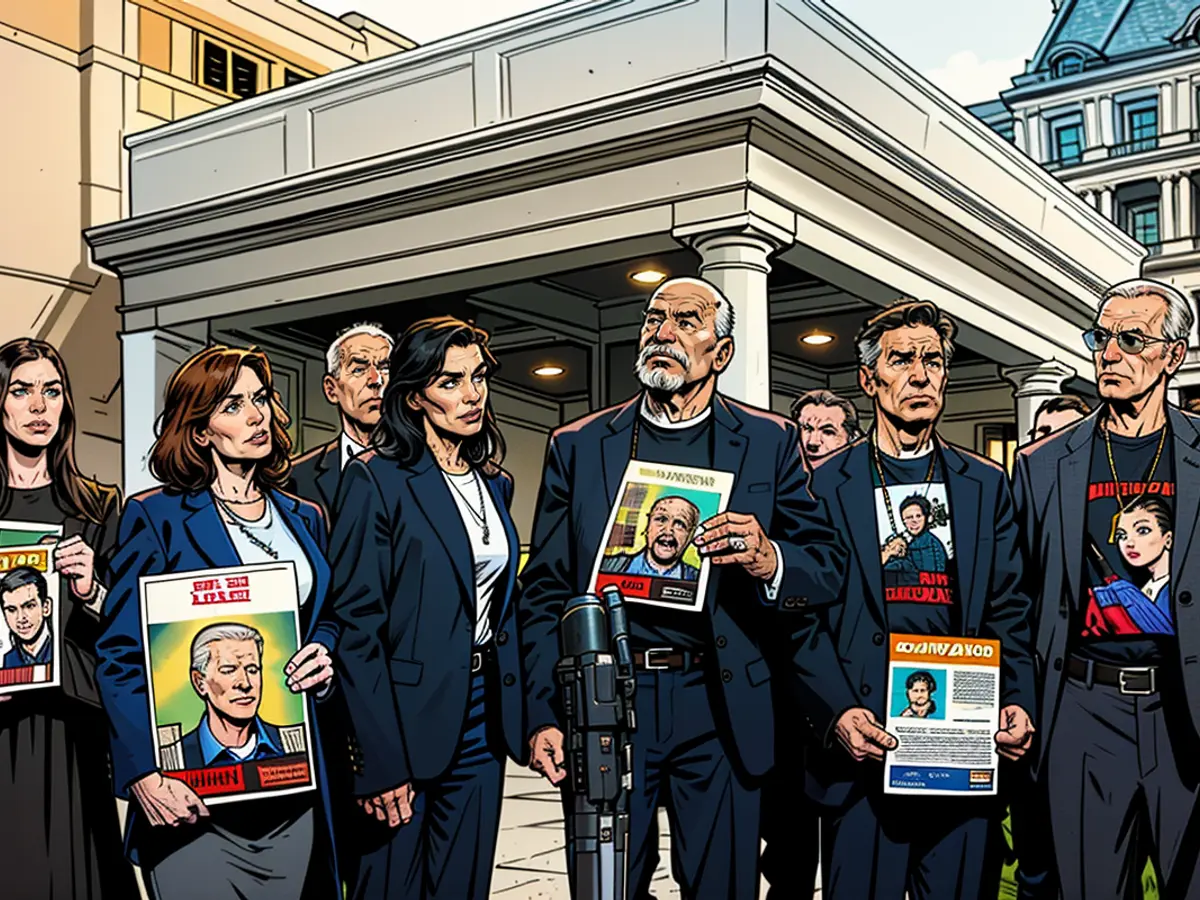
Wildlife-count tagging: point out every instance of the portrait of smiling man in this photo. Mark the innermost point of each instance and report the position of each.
(24, 597)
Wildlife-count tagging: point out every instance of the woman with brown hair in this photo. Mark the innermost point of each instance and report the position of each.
(221, 455)
(53, 771)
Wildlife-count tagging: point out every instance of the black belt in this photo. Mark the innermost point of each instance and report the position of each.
(666, 659)
(1138, 681)
(480, 656)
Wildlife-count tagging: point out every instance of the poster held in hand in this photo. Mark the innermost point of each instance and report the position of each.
(649, 552)
(221, 715)
(31, 637)
(944, 710)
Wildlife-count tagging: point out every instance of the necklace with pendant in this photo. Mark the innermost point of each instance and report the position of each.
(481, 516)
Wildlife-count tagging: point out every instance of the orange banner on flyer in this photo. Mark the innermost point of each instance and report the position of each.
(913, 648)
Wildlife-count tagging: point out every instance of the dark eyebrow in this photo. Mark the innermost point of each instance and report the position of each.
(903, 355)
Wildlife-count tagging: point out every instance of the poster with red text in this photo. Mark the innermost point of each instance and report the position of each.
(223, 718)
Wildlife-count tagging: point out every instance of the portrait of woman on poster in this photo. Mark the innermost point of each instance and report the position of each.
(53, 741)
(1144, 536)
(221, 455)
(424, 556)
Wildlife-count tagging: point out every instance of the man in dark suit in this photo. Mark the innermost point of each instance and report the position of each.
(1120, 661)
(356, 372)
(878, 845)
(705, 726)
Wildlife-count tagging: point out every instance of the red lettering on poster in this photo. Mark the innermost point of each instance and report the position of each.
(214, 780)
(283, 774)
(1108, 490)
(630, 585)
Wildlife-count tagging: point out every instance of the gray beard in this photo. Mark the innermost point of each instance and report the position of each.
(658, 379)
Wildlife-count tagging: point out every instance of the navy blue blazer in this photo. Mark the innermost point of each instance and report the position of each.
(585, 462)
(161, 533)
(990, 568)
(403, 595)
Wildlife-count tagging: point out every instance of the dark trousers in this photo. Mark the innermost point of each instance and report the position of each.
(1120, 790)
(935, 848)
(1033, 843)
(680, 763)
(791, 829)
(447, 850)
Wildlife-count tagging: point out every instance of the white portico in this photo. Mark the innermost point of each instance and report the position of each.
(518, 173)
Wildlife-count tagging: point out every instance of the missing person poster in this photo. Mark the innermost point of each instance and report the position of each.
(944, 711)
(223, 718)
(31, 637)
(650, 553)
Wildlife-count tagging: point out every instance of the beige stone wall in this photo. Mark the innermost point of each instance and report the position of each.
(91, 72)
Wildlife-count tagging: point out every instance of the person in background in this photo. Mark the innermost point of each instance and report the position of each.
(1057, 413)
(221, 456)
(424, 555)
(356, 372)
(53, 764)
(827, 423)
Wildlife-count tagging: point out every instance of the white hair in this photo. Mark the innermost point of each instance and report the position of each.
(723, 326)
(1180, 317)
(202, 655)
(333, 356)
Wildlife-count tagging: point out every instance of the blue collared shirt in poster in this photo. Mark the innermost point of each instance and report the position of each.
(213, 752)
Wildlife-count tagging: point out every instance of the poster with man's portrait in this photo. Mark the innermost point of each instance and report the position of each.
(222, 717)
(650, 552)
(31, 636)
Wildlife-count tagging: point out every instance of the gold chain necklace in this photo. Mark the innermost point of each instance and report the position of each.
(1122, 506)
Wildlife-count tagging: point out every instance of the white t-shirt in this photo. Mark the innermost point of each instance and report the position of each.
(272, 530)
(489, 559)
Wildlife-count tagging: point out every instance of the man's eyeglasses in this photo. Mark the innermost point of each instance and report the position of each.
(1097, 339)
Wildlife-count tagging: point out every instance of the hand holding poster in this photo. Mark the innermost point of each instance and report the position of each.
(944, 710)
(222, 716)
(649, 553)
(31, 639)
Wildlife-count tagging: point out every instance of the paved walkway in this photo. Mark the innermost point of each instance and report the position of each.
(530, 860)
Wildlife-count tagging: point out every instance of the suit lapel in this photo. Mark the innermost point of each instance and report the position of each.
(504, 595)
(729, 449)
(207, 532)
(1072, 500)
(329, 470)
(964, 494)
(433, 496)
(616, 447)
(1187, 488)
(856, 496)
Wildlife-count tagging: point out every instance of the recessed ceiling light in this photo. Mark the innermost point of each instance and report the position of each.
(648, 276)
(817, 338)
(548, 371)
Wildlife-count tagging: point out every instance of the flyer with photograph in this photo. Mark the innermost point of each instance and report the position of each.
(944, 711)
(221, 714)
(31, 638)
(650, 553)
(26, 534)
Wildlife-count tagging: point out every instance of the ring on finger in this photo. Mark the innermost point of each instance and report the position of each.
(737, 542)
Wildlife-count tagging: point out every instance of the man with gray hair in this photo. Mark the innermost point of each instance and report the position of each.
(827, 423)
(704, 685)
(356, 372)
(1118, 631)
(226, 674)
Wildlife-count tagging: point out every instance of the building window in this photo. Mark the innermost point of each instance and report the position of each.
(228, 71)
(1141, 222)
(999, 444)
(1068, 64)
(290, 77)
(1067, 142)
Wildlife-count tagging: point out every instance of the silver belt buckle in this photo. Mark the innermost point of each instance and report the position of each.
(476, 661)
(647, 663)
(1149, 671)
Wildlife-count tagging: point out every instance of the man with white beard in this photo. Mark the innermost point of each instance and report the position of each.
(705, 733)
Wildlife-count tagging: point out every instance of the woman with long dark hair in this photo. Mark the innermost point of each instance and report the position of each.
(64, 840)
(424, 557)
(221, 455)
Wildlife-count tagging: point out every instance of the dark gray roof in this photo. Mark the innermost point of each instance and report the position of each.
(1113, 28)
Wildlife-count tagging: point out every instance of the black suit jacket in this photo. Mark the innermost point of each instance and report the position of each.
(1050, 490)
(403, 590)
(990, 567)
(584, 465)
(316, 474)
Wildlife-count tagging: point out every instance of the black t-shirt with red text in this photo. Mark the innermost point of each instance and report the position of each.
(1126, 616)
(916, 546)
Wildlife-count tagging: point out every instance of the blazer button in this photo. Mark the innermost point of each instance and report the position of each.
(1058, 664)
(721, 642)
(726, 676)
(866, 690)
(878, 639)
(1185, 598)
(510, 680)
(502, 637)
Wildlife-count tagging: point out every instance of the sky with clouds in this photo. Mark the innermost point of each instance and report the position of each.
(969, 55)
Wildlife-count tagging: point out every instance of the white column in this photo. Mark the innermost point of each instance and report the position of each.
(148, 358)
(1091, 124)
(1033, 130)
(1106, 120)
(1166, 107)
(737, 264)
(1034, 384)
(1088, 196)
(1106, 202)
(1187, 222)
(1166, 208)
(1020, 136)
(1184, 105)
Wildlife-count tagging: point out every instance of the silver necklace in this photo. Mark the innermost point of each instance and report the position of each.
(481, 516)
(249, 535)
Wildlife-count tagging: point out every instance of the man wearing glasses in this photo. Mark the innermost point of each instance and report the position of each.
(1121, 690)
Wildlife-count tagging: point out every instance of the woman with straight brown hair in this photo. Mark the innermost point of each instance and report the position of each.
(221, 455)
(53, 769)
